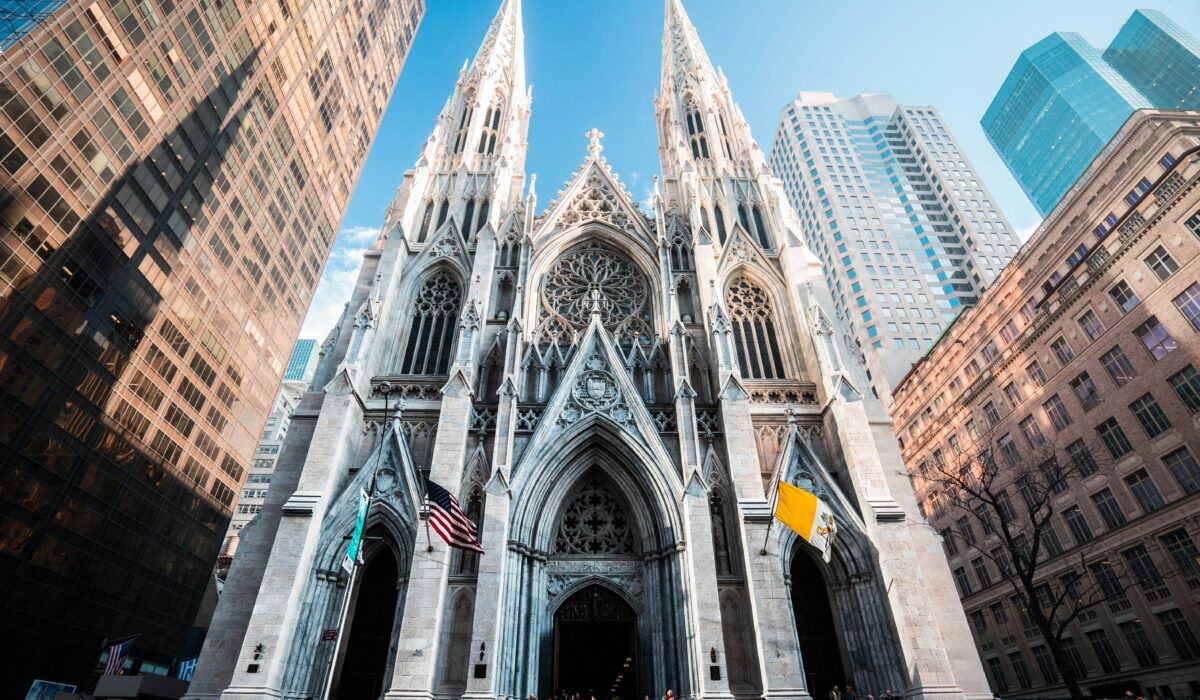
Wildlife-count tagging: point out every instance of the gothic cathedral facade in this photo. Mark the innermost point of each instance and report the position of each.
(609, 392)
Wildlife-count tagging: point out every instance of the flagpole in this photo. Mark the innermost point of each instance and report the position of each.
(425, 515)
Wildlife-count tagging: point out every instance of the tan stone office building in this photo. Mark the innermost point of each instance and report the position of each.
(1089, 338)
(172, 175)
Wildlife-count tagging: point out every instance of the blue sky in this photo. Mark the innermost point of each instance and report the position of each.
(596, 64)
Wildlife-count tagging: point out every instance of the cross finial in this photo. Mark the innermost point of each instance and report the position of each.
(594, 137)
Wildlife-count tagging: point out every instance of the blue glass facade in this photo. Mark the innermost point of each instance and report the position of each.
(303, 361)
(19, 17)
(1064, 99)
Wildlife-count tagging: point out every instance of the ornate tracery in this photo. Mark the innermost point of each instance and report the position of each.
(754, 330)
(594, 523)
(431, 334)
(594, 275)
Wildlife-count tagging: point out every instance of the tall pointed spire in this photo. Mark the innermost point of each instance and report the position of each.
(503, 46)
(683, 54)
(472, 167)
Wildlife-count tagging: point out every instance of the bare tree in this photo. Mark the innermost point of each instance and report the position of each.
(1022, 541)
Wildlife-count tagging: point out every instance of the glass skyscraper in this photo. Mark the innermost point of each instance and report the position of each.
(19, 17)
(1064, 99)
(172, 176)
(907, 232)
(303, 362)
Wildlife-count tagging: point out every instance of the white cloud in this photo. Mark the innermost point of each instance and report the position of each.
(337, 281)
(1024, 232)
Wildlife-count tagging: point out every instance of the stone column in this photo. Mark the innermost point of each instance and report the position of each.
(273, 621)
(420, 631)
(780, 665)
(705, 635)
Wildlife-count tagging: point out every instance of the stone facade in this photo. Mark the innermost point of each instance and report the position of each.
(1086, 340)
(608, 393)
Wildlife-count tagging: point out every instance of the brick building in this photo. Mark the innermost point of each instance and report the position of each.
(1086, 344)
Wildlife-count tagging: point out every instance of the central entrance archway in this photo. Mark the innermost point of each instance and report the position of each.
(595, 645)
(365, 666)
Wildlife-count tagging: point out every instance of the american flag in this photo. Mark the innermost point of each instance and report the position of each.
(449, 519)
(117, 654)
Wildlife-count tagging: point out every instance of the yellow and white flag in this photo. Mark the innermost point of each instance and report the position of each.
(808, 516)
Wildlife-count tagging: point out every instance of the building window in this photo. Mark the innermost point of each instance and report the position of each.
(972, 428)
(978, 621)
(1182, 548)
(1193, 223)
(981, 572)
(1188, 303)
(1142, 566)
(948, 539)
(1056, 410)
(1062, 351)
(990, 350)
(1107, 579)
(1013, 393)
(999, 680)
(1036, 374)
(1081, 532)
(1081, 458)
(432, 331)
(964, 583)
(1139, 643)
(464, 123)
(1123, 294)
(1186, 383)
(1183, 465)
(1114, 439)
(1045, 664)
(1180, 633)
(1085, 391)
(1110, 511)
(1118, 365)
(754, 330)
(491, 128)
(999, 613)
(1032, 432)
(1071, 655)
(695, 130)
(1091, 324)
(1150, 415)
(1144, 490)
(1161, 263)
(1103, 649)
(966, 531)
(991, 414)
(1017, 661)
(1155, 338)
(1009, 331)
(1008, 448)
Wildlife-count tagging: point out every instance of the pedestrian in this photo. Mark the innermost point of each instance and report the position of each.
(670, 695)
(849, 693)
(835, 694)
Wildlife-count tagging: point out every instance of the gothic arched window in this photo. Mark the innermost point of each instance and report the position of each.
(468, 214)
(431, 334)
(744, 217)
(726, 143)
(764, 236)
(491, 128)
(442, 214)
(754, 330)
(423, 232)
(464, 123)
(720, 217)
(695, 129)
(468, 562)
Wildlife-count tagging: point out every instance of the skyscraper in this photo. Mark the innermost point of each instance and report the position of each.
(1064, 99)
(19, 17)
(173, 174)
(907, 232)
(608, 394)
(303, 362)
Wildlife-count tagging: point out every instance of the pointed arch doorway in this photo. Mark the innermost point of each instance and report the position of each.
(820, 646)
(595, 645)
(365, 661)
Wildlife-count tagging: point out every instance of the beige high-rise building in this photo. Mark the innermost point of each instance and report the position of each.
(1086, 345)
(173, 175)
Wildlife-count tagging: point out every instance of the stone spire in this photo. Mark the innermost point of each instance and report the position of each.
(476, 151)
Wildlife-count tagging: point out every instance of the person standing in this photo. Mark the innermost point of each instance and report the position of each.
(835, 694)
(850, 693)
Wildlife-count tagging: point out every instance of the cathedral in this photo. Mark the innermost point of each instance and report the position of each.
(611, 393)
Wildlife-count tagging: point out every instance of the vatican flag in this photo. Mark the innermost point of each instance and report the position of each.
(808, 516)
